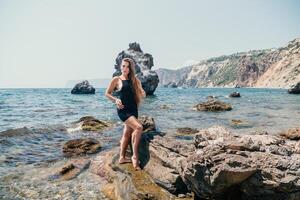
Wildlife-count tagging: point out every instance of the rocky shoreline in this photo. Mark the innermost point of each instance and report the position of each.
(212, 163)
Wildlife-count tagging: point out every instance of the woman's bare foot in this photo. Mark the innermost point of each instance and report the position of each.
(135, 163)
(123, 160)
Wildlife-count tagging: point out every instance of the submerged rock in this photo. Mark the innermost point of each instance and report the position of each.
(295, 89)
(186, 131)
(164, 106)
(81, 146)
(144, 63)
(237, 123)
(71, 169)
(212, 104)
(83, 87)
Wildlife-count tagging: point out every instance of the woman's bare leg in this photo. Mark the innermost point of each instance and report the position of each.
(136, 136)
(127, 132)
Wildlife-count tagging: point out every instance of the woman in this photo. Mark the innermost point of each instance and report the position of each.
(131, 95)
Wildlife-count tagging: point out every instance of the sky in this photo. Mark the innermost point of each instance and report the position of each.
(45, 43)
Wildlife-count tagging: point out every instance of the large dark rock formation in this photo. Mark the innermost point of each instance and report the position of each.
(83, 87)
(144, 63)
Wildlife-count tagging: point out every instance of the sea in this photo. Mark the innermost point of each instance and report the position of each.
(33, 123)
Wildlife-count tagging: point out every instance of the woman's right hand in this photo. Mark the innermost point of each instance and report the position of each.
(119, 104)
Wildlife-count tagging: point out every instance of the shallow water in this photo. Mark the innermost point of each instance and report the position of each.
(28, 153)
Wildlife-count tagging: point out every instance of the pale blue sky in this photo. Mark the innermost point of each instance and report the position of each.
(44, 43)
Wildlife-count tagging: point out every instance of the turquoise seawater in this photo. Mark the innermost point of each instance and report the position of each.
(26, 153)
(267, 109)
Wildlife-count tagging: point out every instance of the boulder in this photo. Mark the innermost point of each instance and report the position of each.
(83, 87)
(295, 89)
(81, 146)
(90, 123)
(144, 63)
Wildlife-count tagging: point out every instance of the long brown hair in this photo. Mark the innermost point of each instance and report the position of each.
(138, 96)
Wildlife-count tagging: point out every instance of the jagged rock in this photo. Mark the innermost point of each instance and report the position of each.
(295, 89)
(235, 94)
(166, 156)
(83, 87)
(144, 63)
(212, 104)
(226, 165)
(71, 169)
(81, 146)
(293, 134)
(238, 166)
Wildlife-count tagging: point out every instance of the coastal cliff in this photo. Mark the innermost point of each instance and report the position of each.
(272, 68)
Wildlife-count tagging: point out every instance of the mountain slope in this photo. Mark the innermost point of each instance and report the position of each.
(260, 68)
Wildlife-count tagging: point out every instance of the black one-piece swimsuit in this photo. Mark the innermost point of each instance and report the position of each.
(127, 98)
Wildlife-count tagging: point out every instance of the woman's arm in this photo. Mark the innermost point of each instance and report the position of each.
(110, 88)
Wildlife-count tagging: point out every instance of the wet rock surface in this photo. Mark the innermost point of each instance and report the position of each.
(81, 146)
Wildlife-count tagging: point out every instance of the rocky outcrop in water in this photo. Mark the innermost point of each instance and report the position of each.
(235, 94)
(213, 105)
(144, 63)
(89, 123)
(257, 68)
(83, 87)
(295, 89)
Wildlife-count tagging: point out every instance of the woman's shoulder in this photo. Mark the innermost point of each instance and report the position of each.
(116, 78)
